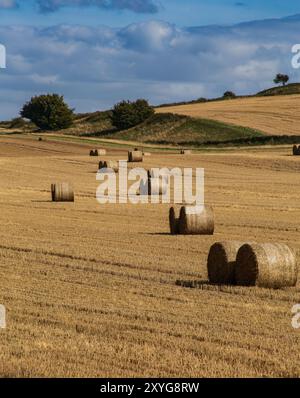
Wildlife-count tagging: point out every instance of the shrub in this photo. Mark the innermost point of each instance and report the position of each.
(229, 94)
(17, 122)
(48, 112)
(128, 114)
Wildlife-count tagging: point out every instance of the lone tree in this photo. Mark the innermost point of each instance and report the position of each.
(229, 95)
(128, 114)
(281, 79)
(48, 112)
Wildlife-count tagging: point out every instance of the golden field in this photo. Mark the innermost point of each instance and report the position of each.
(91, 290)
(275, 115)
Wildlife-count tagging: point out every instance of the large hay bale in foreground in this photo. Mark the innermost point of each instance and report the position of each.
(270, 265)
(174, 222)
(221, 262)
(109, 164)
(135, 156)
(62, 192)
(193, 221)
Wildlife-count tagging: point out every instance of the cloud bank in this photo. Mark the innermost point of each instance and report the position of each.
(96, 67)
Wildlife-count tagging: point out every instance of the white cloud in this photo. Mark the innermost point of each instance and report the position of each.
(96, 67)
(8, 4)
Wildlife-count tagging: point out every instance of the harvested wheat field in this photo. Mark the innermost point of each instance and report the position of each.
(277, 115)
(104, 290)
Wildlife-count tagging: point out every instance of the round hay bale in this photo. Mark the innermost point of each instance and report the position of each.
(270, 265)
(154, 174)
(295, 150)
(52, 192)
(101, 152)
(40, 139)
(194, 222)
(135, 156)
(109, 164)
(174, 222)
(62, 192)
(186, 152)
(96, 152)
(221, 262)
(92, 153)
(157, 186)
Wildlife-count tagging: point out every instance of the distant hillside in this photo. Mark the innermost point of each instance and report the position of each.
(273, 115)
(243, 120)
(179, 130)
(289, 89)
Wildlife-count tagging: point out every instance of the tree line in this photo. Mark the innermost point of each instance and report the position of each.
(51, 112)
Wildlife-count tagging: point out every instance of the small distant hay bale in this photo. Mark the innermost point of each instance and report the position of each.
(98, 152)
(296, 150)
(269, 265)
(62, 192)
(185, 152)
(135, 156)
(193, 221)
(174, 222)
(40, 139)
(109, 164)
(221, 262)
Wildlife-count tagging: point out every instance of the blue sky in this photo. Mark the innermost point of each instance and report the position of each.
(179, 12)
(164, 50)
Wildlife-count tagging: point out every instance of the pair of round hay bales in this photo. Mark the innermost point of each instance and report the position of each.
(296, 150)
(135, 156)
(185, 152)
(192, 221)
(62, 192)
(109, 164)
(269, 265)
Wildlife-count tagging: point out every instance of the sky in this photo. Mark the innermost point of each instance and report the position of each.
(99, 52)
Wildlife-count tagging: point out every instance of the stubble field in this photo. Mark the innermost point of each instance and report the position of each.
(90, 290)
(277, 115)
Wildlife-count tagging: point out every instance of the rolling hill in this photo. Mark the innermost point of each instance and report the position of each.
(268, 113)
